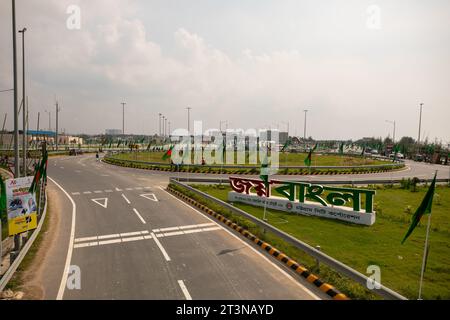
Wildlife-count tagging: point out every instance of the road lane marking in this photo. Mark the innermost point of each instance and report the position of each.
(118, 190)
(126, 199)
(129, 189)
(133, 236)
(184, 289)
(166, 256)
(101, 243)
(132, 239)
(75, 193)
(314, 296)
(87, 192)
(198, 225)
(176, 233)
(85, 239)
(100, 200)
(108, 236)
(98, 191)
(150, 196)
(65, 275)
(109, 191)
(139, 216)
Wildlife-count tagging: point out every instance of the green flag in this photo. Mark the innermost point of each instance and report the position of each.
(309, 156)
(41, 171)
(341, 148)
(396, 150)
(424, 208)
(2, 195)
(288, 142)
(118, 145)
(168, 153)
(363, 150)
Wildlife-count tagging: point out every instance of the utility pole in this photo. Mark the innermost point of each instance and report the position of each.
(16, 115)
(24, 113)
(163, 129)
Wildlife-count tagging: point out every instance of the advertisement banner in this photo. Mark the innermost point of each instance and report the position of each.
(21, 206)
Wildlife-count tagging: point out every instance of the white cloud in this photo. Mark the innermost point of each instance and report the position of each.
(113, 58)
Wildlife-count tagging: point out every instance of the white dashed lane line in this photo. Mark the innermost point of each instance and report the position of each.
(126, 199)
(110, 191)
(139, 216)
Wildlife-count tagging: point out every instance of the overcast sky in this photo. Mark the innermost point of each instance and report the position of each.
(254, 63)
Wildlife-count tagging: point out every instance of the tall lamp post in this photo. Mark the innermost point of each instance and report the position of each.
(420, 123)
(16, 115)
(189, 119)
(24, 109)
(123, 118)
(159, 132)
(58, 109)
(393, 123)
(304, 131)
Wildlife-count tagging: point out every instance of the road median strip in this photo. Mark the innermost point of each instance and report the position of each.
(292, 264)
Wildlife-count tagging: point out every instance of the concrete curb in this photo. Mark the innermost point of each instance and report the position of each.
(292, 264)
(133, 164)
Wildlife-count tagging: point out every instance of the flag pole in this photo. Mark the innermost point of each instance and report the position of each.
(424, 257)
(425, 254)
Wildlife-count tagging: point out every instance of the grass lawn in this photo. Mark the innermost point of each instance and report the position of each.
(285, 159)
(361, 246)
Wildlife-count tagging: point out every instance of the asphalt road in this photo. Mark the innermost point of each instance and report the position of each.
(122, 236)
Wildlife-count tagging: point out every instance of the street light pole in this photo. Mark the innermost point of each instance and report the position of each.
(123, 118)
(163, 133)
(16, 115)
(420, 123)
(189, 120)
(393, 123)
(24, 112)
(165, 127)
(304, 132)
(57, 115)
(159, 132)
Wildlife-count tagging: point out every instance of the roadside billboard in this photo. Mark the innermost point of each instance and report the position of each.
(21, 206)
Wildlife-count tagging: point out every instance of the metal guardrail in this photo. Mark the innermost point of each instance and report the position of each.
(320, 256)
(375, 166)
(13, 267)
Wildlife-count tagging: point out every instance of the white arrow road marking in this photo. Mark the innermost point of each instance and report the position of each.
(99, 202)
(150, 196)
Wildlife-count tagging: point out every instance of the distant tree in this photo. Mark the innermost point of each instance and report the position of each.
(388, 140)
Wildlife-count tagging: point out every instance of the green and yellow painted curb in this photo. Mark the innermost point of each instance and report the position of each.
(310, 277)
